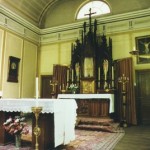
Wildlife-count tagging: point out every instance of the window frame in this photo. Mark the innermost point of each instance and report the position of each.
(87, 9)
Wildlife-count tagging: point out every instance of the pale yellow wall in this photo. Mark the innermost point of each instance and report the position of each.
(65, 53)
(13, 47)
(60, 53)
(56, 50)
(121, 45)
(49, 55)
(12, 44)
(29, 70)
(1, 58)
(57, 53)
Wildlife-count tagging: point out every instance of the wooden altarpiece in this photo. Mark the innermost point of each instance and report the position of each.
(92, 65)
(91, 59)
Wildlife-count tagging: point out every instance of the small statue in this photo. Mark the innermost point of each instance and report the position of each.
(105, 67)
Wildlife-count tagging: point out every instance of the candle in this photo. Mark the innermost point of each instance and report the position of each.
(67, 75)
(99, 74)
(112, 73)
(72, 75)
(37, 88)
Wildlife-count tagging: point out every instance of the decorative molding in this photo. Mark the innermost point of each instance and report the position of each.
(11, 15)
(100, 21)
(60, 36)
(109, 24)
(13, 22)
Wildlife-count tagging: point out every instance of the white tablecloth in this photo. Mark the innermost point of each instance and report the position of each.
(64, 114)
(90, 96)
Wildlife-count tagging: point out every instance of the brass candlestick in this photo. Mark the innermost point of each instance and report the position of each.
(63, 90)
(123, 80)
(36, 130)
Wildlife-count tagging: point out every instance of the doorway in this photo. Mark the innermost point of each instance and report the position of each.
(45, 86)
(143, 96)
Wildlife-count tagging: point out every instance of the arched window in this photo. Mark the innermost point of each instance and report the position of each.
(97, 8)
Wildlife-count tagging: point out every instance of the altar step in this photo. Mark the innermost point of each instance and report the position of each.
(97, 124)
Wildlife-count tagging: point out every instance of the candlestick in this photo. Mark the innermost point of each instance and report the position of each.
(63, 90)
(36, 130)
(134, 51)
(123, 80)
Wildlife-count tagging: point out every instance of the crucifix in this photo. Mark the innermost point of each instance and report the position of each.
(90, 14)
(53, 83)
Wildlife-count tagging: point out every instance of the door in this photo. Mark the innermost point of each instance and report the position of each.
(143, 96)
(45, 86)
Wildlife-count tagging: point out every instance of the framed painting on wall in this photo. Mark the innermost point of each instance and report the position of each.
(143, 46)
(13, 67)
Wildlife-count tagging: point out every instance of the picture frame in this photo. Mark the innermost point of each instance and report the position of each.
(143, 46)
(87, 86)
(13, 67)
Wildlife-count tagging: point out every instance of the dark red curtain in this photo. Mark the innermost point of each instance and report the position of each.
(125, 66)
(60, 75)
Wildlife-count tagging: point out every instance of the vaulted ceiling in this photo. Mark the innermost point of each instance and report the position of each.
(35, 11)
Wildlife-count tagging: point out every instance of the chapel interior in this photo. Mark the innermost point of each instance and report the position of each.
(102, 61)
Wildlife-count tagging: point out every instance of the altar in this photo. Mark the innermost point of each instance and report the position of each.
(57, 119)
(91, 103)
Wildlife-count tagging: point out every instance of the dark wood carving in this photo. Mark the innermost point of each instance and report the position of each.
(96, 47)
(93, 108)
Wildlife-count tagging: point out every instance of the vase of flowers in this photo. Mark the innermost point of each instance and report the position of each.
(16, 126)
(73, 88)
(18, 140)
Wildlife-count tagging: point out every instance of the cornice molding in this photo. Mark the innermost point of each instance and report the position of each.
(11, 15)
(125, 16)
(100, 21)
(113, 23)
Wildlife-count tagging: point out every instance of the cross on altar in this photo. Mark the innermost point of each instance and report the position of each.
(53, 83)
(90, 14)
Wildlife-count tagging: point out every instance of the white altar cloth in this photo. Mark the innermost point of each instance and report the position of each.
(90, 96)
(64, 114)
